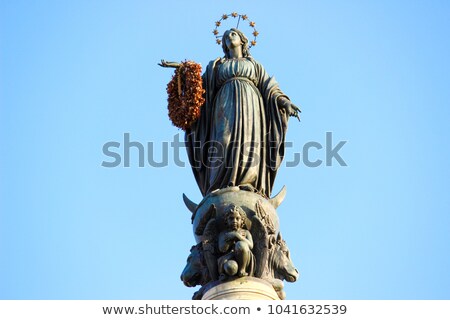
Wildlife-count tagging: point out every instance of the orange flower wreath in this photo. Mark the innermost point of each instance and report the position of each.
(185, 92)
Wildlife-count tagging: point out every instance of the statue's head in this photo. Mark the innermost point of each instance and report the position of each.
(243, 42)
(235, 217)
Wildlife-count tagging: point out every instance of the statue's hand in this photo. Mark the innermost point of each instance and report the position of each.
(168, 64)
(294, 111)
(289, 108)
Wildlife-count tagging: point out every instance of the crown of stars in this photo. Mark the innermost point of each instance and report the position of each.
(240, 17)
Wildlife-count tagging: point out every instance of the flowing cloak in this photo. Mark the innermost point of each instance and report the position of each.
(239, 137)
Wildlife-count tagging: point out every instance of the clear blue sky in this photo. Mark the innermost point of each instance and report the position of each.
(75, 75)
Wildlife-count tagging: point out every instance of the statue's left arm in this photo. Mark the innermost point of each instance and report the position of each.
(278, 107)
(271, 91)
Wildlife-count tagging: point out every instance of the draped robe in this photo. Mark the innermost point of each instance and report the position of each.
(239, 138)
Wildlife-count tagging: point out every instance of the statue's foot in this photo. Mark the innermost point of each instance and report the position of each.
(242, 274)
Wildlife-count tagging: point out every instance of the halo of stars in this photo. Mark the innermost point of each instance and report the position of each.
(240, 17)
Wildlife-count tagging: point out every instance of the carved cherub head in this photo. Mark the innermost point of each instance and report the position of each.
(235, 217)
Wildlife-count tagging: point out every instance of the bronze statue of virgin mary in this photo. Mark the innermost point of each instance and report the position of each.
(235, 147)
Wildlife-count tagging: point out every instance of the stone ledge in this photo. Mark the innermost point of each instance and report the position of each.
(245, 288)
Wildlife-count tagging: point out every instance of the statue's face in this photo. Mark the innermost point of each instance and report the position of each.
(232, 39)
(234, 221)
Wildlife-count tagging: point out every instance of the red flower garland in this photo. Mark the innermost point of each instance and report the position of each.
(185, 92)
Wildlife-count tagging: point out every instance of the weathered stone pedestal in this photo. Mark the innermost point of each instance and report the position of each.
(245, 288)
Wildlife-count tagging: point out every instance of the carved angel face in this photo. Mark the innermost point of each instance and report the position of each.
(234, 220)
